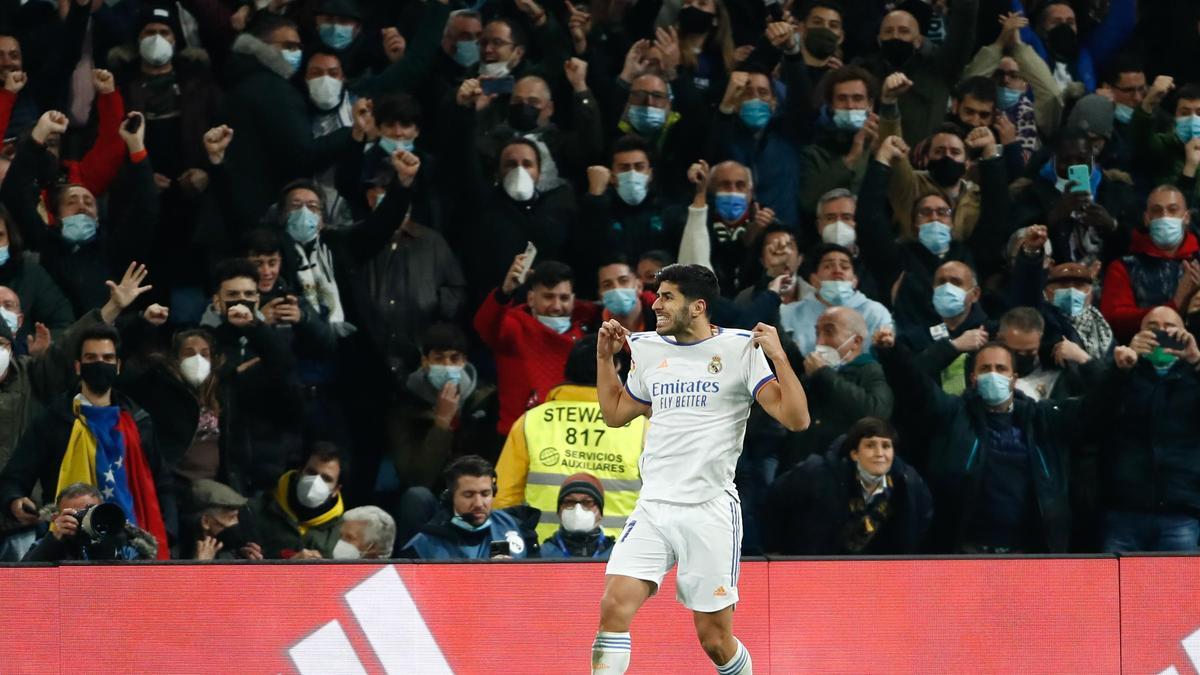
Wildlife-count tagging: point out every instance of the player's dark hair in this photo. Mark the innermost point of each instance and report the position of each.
(695, 282)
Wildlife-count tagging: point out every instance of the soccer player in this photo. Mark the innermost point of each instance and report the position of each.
(699, 382)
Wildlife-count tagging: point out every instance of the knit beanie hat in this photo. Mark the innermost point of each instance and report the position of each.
(585, 483)
(164, 13)
(1093, 114)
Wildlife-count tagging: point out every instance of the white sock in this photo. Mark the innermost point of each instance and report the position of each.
(610, 653)
(739, 664)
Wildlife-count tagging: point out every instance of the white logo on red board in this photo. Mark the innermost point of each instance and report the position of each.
(1191, 647)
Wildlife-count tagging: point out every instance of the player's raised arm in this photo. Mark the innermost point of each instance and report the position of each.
(618, 406)
(784, 399)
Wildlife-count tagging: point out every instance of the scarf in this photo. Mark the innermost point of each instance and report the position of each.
(866, 519)
(105, 450)
(1095, 332)
(283, 494)
(319, 286)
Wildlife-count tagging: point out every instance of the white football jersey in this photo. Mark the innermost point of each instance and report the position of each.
(700, 396)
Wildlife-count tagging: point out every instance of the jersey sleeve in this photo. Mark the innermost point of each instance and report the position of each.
(635, 386)
(758, 370)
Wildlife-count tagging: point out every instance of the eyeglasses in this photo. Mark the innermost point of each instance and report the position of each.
(311, 206)
(931, 211)
(495, 43)
(1136, 89)
(643, 97)
(587, 502)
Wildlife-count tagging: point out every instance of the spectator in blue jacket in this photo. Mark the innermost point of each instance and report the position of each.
(580, 508)
(1072, 60)
(466, 527)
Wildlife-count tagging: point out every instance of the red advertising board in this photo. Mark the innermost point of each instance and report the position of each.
(1032, 615)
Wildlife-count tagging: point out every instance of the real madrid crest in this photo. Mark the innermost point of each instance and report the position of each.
(714, 366)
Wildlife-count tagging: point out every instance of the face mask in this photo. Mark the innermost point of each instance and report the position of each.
(1187, 127)
(466, 53)
(1025, 364)
(312, 491)
(493, 71)
(949, 300)
(619, 301)
(5, 359)
(523, 117)
(10, 318)
(840, 233)
(578, 519)
(647, 119)
(519, 184)
(292, 57)
(98, 376)
(849, 120)
(755, 113)
(1161, 360)
(731, 206)
(897, 52)
(336, 35)
(232, 538)
(821, 43)
(1123, 113)
(78, 228)
(155, 50)
(1007, 98)
(325, 91)
(1071, 301)
(993, 388)
(836, 292)
(935, 236)
(1166, 232)
(832, 356)
(945, 171)
(1063, 41)
(693, 20)
(235, 303)
(344, 550)
(632, 186)
(3, 255)
(195, 369)
(463, 524)
(439, 375)
(558, 324)
(302, 225)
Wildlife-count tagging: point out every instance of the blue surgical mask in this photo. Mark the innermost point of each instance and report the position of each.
(647, 119)
(935, 235)
(1122, 113)
(1166, 232)
(949, 300)
(632, 186)
(3, 254)
(755, 113)
(439, 375)
(292, 57)
(1007, 98)
(558, 324)
(78, 228)
(994, 388)
(731, 206)
(302, 225)
(1071, 301)
(389, 145)
(336, 35)
(10, 318)
(836, 292)
(462, 524)
(620, 301)
(1187, 127)
(466, 53)
(849, 120)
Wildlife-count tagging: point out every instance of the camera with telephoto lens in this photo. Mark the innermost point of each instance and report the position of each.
(99, 522)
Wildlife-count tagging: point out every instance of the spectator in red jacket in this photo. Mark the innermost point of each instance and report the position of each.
(1161, 268)
(531, 340)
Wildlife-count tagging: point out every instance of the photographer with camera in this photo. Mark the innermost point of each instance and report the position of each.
(85, 528)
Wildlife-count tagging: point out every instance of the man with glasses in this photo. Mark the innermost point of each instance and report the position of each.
(1125, 82)
(649, 114)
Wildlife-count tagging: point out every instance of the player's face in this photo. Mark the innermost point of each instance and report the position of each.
(874, 454)
(672, 312)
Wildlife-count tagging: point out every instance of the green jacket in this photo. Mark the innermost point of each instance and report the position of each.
(838, 398)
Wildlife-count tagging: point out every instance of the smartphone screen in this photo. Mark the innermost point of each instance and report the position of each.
(498, 548)
(500, 85)
(1167, 341)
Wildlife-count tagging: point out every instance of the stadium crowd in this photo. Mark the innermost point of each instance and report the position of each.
(301, 279)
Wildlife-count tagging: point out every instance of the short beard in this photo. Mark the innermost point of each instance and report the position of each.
(673, 328)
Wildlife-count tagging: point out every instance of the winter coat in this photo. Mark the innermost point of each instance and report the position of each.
(281, 534)
(837, 398)
(41, 299)
(594, 545)
(1146, 278)
(441, 540)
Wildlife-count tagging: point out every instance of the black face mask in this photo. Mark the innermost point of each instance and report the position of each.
(821, 43)
(1063, 41)
(945, 171)
(897, 52)
(1025, 364)
(236, 303)
(232, 538)
(98, 376)
(523, 117)
(693, 21)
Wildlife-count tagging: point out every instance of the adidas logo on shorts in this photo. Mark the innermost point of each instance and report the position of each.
(720, 592)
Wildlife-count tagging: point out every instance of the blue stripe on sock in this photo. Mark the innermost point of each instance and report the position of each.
(618, 643)
(738, 663)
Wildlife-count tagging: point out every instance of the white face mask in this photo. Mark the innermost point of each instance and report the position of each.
(344, 550)
(312, 491)
(325, 91)
(195, 369)
(10, 318)
(5, 359)
(840, 233)
(155, 50)
(492, 71)
(578, 519)
(519, 184)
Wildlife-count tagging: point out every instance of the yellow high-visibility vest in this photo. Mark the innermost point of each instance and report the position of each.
(567, 437)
